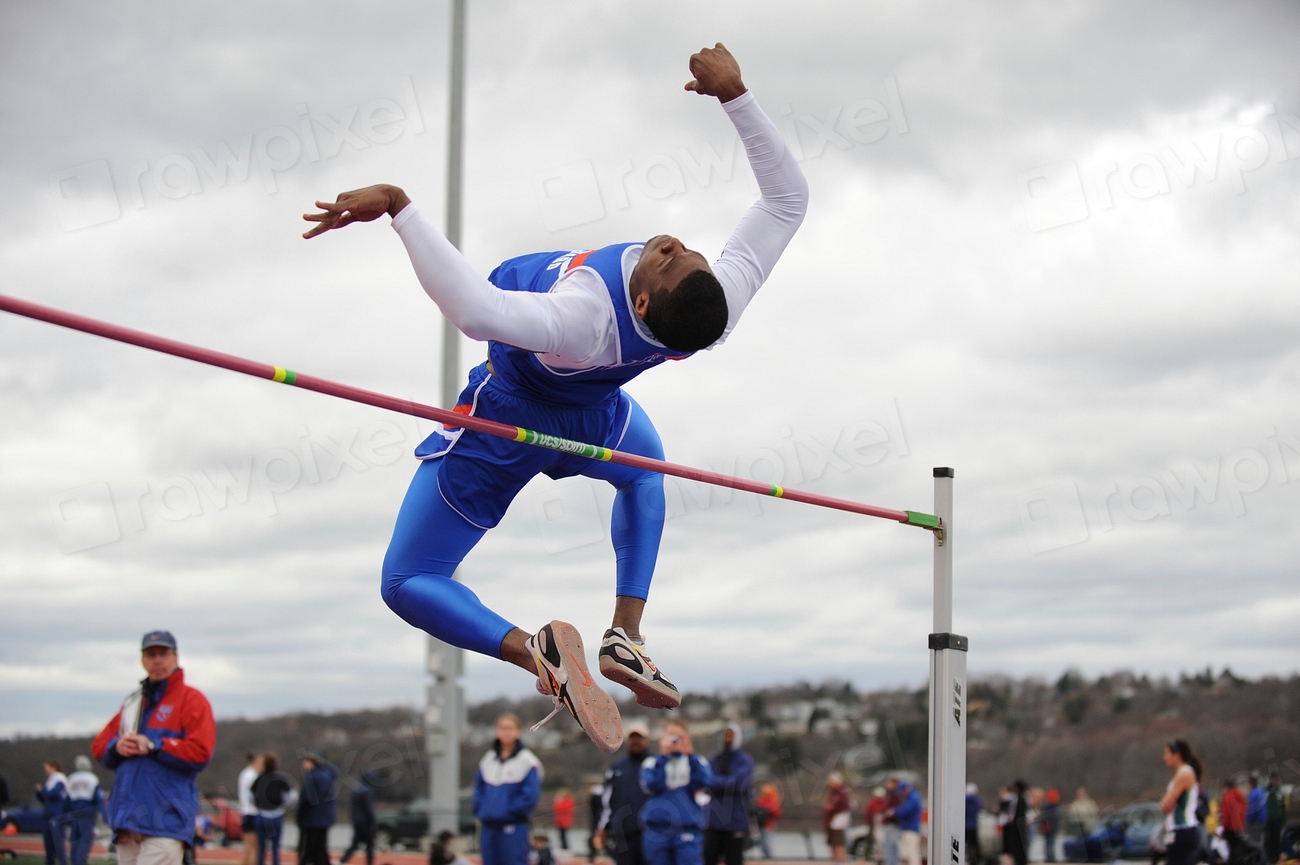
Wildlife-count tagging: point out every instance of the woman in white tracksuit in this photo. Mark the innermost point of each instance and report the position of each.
(506, 790)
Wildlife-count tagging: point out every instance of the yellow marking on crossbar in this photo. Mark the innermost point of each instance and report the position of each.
(778, 491)
(281, 373)
(521, 434)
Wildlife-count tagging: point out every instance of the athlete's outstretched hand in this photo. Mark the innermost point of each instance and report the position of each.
(359, 205)
(716, 74)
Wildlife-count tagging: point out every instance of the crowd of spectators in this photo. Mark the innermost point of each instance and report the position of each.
(672, 807)
(161, 738)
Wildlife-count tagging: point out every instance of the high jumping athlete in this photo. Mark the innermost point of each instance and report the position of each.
(565, 331)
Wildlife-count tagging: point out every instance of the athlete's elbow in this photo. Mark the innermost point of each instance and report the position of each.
(475, 325)
(797, 203)
(790, 205)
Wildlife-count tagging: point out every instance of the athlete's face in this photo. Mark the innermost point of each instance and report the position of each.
(665, 261)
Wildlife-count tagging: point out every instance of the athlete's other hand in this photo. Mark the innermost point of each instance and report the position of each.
(359, 205)
(716, 74)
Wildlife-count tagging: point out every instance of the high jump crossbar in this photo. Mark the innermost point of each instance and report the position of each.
(948, 698)
(448, 418)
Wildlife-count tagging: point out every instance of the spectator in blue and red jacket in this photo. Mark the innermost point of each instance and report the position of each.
(157, 743)
(908, 815)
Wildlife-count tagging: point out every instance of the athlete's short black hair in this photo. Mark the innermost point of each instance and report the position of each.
(690, 317)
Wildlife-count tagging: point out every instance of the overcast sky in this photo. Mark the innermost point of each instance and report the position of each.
(1052, 245)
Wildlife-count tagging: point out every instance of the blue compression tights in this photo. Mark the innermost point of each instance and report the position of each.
(430, 540)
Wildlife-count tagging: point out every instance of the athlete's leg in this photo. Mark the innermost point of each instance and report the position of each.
(637, 527)
(429, 541)
(638, 518)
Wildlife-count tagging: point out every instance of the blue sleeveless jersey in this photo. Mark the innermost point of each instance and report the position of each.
(524, 371)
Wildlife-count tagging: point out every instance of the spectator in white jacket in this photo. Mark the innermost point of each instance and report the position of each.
(248, 808)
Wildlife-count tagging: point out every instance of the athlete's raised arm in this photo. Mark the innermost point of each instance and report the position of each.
(568, 324)
(766, 230)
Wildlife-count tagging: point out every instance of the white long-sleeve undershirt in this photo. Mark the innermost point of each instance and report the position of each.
(574, 326)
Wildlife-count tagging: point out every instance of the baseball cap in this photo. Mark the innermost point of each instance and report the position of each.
(158, 638)
(638, 726)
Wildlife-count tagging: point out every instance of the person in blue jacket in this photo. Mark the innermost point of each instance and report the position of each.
(53, 796)
(673, 820)
(317, 807)
(85, 804)
(974, 805)
(726, 817)
(1256, 812)
(361, 810)
(908, 815)
(618, 829)
(506, 790)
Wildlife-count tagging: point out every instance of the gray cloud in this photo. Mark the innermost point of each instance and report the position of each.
(1074, 355)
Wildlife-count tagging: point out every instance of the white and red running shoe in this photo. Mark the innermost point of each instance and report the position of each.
(562, 675)
(627, 663)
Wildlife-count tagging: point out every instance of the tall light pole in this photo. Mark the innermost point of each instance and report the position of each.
(445, 709)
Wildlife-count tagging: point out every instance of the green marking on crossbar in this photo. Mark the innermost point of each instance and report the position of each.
(916, 518)
(563, 445)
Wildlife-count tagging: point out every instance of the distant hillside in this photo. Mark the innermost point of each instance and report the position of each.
(1105, 734)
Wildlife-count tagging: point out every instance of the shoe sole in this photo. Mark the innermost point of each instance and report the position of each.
(596, 711)
(646, 695)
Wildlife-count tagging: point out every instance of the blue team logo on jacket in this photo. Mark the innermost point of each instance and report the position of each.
(162, 713)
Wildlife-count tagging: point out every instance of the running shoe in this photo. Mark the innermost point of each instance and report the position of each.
(562, 675)
(627, 663)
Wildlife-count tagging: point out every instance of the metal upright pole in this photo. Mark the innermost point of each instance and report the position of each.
(455, 174)
(947, 763)
(445, 710)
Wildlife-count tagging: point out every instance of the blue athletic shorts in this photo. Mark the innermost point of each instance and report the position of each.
(481, 474)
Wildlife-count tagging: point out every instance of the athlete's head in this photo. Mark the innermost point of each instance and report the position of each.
(676, 294)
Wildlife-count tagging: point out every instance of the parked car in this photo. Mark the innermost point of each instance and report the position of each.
(1126, 834)
(29, 819)
(408, 826)
(1291, 841)
(226, 818)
